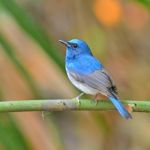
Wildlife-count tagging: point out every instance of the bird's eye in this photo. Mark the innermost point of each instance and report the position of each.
(74, 46)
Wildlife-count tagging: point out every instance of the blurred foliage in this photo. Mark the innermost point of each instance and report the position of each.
(146, 3)
(33, 29)
(31, 66)
(14, 139)
(11, 54)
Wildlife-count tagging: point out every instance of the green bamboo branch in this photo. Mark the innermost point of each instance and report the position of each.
(68, 105)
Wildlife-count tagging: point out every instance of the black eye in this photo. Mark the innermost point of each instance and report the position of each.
(74, 46)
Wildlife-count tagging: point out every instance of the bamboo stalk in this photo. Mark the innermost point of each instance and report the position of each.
(68, 105)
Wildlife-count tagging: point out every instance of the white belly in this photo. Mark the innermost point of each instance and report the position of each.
(83, 87)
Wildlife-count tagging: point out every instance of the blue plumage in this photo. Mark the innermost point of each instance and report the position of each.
(123, 112)
(84, 64)
(88, 74)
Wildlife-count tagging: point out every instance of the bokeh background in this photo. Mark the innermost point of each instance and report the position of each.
(32, 67)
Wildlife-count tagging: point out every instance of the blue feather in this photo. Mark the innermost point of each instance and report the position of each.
(119, 106)
(84, 65)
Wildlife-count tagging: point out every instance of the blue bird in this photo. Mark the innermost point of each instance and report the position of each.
(89, 75)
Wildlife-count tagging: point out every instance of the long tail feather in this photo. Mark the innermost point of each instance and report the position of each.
(121, 109)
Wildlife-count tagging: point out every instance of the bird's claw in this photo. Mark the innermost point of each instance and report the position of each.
(78, 98)
(96, 101)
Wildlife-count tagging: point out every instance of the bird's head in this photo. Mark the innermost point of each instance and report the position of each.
(76, 47)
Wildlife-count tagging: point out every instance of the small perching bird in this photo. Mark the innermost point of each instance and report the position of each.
(88, 74)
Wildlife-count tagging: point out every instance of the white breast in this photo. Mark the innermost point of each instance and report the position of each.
(83, 87)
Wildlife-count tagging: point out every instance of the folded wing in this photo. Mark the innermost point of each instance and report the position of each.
(99, 80)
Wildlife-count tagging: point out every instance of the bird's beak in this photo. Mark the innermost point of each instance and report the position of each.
(65, 43)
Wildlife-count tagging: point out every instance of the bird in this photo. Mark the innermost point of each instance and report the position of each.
(88, 74)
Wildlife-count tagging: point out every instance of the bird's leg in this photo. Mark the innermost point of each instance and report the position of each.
(78, 97)
(96, 98)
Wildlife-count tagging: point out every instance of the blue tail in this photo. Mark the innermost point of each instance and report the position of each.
(119, 106)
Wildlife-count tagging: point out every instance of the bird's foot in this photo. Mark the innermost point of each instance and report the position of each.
(98, 97)
(96, 101)
(78, 97)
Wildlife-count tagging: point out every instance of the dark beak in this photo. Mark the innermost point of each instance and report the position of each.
(64, 42)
